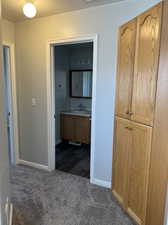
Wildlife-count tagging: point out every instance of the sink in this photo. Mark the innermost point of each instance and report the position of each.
(78, 112)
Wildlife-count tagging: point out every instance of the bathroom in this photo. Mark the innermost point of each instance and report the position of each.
(73, 106)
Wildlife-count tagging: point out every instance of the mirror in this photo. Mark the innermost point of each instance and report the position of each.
(81, 83)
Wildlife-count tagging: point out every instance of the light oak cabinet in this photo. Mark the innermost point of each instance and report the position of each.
(120, 160)
(67, 127)
(146, 66)
(138, 173)
(131, 166)
(75, 128)
(138, 56)
(126, 55)
(82, 130)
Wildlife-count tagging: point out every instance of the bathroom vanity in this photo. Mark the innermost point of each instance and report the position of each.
(76, 126)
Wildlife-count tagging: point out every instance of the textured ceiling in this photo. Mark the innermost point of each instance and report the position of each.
(12, 9)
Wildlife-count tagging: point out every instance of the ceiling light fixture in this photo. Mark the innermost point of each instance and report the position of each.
(29, 10)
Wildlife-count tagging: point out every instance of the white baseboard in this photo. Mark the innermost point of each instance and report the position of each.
(11, 215)
(74, 143)
(58, 142)
(32, 164)
(46, 168)
(101, 183)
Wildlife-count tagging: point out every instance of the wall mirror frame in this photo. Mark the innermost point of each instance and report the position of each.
(81, 83)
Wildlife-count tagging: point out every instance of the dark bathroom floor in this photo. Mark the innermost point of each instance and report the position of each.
(73, 159)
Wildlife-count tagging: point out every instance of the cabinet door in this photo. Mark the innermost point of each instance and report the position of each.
(68, 127)
(126, 52)
(82, 131)
(139, 161)
(120, 160)
(146, 65)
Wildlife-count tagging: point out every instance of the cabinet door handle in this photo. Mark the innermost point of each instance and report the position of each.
(129, 113)
(129, 128)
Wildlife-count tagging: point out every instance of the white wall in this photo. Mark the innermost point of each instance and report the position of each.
(81, 57)
(61, 84)
(31, 38)
(8, 31)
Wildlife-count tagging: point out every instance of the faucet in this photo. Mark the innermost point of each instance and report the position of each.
(81, 107)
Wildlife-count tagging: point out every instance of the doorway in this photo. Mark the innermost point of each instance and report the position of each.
(73, 107)
(10, 103)
(51, 102)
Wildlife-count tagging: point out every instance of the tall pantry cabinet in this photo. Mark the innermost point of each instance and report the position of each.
(138, 55)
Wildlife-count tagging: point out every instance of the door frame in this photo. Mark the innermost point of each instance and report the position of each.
(13, 103)
(51, 96)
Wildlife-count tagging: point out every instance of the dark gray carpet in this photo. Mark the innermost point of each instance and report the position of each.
(42, 198)
(73, 159)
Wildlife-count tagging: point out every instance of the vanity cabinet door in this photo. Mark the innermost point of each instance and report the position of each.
(68, 127)
(82, 131)
(146, 66)
(75, 128)
(126, 53)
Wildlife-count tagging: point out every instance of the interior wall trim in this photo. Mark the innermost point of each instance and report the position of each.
(34, 165)
(101, 183)
(51, 98)
(58, 142)
(166, 209)
(11, 215)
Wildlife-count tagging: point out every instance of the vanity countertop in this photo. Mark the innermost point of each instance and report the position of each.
(77, 113)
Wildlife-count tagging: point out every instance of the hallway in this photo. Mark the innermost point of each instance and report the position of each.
(58, 198)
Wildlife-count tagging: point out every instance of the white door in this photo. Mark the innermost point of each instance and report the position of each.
(8, 102)
(4, 162)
